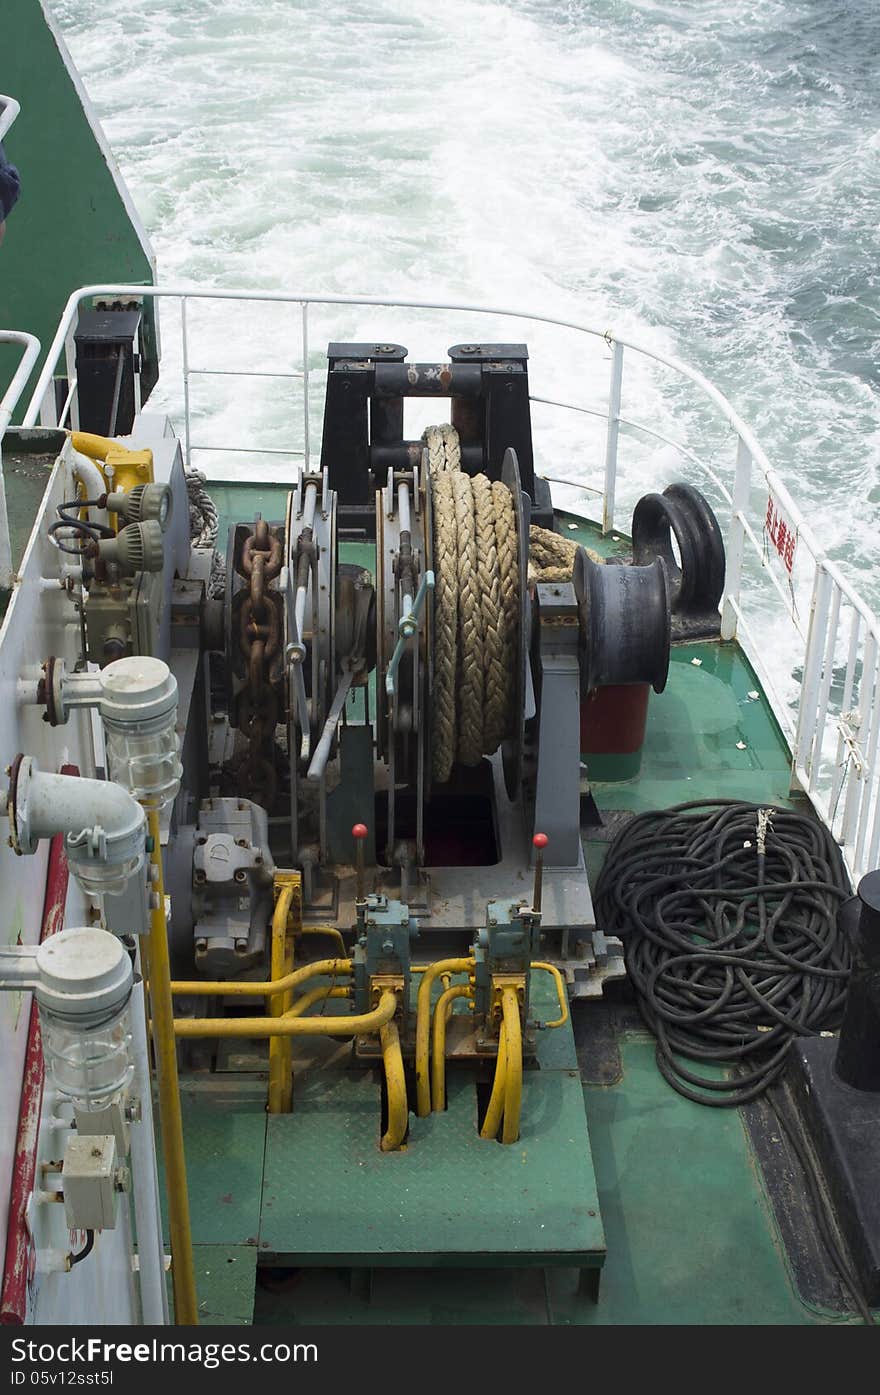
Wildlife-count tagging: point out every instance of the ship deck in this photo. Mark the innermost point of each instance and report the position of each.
(701, 1209)
(697, 1229)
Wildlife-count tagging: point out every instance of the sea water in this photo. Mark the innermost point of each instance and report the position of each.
(701, 177)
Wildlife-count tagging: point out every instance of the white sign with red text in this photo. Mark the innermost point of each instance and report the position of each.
(781, 532)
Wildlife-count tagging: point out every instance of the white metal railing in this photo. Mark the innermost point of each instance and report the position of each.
(833, 723)
(9, 110)
(30, 347)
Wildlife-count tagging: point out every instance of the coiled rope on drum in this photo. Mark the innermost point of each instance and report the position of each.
(476, 608)
(477, 603)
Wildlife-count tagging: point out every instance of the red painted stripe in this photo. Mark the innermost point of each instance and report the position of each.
(13, 1297)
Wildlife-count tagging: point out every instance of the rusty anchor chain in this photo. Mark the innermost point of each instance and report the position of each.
(260, 642)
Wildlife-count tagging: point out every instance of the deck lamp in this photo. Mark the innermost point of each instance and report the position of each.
(137, 701)
(82, 980)
(139, 712)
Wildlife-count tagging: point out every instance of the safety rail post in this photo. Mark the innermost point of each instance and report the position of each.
(871, 707)
(68, 402)
(841, 761)
(305, 359)
(813, 659)
(824, 693)
(49, 415)
(612, 435)
(742, 480)
(184, 348)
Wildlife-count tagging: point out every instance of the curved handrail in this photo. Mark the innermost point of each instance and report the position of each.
(9, 110)
(815, 713)
(677, 365)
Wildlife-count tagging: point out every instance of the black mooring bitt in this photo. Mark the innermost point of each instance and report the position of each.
(367, 384)
(857, 1062)
(836, 1085)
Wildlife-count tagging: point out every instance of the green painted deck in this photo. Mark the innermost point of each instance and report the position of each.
(690, 1236)
(689, 1232)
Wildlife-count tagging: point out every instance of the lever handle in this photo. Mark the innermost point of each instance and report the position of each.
(359, 833)
(539, 843)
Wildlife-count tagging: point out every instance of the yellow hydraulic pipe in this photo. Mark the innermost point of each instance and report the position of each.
(423, 1026)
(395, 1081)
(95, 447)
(182, 1272)
(280, 1093)
(561, 992)
(315, 995)
(243, 988)
(329, 930)
(259, 1027)
(514, 1071)
(442, 1012)
(492, 1121)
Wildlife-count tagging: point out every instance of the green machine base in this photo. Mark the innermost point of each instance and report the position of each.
(313, 1189)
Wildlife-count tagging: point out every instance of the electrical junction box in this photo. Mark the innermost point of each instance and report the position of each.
(89, 1178)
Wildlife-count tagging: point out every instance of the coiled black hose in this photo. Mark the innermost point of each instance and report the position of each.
(728, 914)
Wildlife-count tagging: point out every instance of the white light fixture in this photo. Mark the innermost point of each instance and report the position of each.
(83, 992)
(139, 712)
(82, 979)
(137, 700)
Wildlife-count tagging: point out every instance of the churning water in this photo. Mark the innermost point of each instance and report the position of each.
(702, 176)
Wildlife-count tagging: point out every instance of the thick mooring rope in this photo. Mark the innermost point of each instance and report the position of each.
(551, 557)
(477, 603)
(476, 608)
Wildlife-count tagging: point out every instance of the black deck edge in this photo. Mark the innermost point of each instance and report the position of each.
(844, 1129)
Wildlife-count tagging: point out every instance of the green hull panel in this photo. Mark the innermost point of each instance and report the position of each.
(71, 226)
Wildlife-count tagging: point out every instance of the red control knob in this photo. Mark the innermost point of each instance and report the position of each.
(360, 830)
(540, 841)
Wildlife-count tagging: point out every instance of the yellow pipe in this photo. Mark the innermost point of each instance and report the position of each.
(423, 1026)
(514, 1071)
(260, 1027)
(95, 447)
(182, 1272)
(442, 1012)
(495, 1110)
(329, 930)
(315, 995)
(308, 1000)
(243, 988)
(561, 992)
(280, 1094)
(398, 1112)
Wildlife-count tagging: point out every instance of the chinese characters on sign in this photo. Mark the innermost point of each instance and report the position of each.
(781, 533)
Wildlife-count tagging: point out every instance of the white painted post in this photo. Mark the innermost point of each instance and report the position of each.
(736, 539)
(6, 571)
(825, 688)
(185, 362)
(70, 368)
(813, 656)
(305, 359)
(872, 707)
(612, 436)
